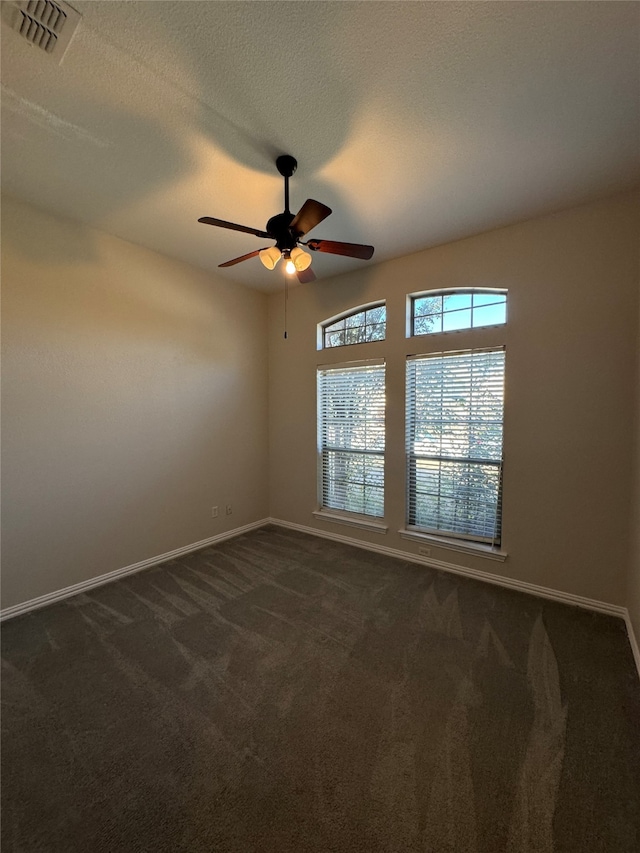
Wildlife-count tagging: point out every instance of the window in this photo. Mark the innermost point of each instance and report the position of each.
(441, 311)
(366, 324)
(454, 443)
(351, 435)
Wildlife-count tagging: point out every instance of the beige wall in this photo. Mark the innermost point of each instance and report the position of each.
(134, 398)
(571, 354)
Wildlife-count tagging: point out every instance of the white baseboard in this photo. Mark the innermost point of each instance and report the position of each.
(476, 574)
(486, 577)
(633, 642)
(100, 580)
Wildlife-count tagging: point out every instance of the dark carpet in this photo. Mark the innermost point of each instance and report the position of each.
(281, 692)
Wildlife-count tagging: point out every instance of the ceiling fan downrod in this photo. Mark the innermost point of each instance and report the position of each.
(286, 165)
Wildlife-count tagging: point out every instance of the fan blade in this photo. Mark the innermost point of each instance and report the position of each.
(209, 220)
(305, 276)
(310, 214)
(242, 258)
(351, 250)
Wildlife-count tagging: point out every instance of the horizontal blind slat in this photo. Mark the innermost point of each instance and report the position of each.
(454, 421)
(351, 406)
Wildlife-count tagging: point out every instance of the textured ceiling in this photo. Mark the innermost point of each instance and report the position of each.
(417, 122)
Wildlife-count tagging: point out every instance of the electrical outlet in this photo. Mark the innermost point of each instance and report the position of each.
(425, 552)
(214, 512)
(229, 510)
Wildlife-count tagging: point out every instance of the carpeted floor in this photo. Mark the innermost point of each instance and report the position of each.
(282, 693)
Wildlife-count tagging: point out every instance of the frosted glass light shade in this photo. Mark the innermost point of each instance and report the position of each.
(270, 257)
(301, 259)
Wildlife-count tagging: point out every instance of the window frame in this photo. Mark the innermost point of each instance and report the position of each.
(436, 533)
(360, 519)
(453, 291)
(344, 315)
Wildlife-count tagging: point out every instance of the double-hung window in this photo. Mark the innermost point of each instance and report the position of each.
(454, 443)
(351, 437)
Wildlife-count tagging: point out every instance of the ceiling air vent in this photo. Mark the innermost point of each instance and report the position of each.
(45, 24)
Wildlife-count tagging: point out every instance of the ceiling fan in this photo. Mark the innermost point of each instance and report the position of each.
(287, 229)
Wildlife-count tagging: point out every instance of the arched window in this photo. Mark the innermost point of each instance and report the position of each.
(438, 311)
(359, 326)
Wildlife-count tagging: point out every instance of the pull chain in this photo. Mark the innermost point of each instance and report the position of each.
(286, 298)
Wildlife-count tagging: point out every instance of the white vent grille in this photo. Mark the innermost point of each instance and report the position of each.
(46, 24)
(41, 22)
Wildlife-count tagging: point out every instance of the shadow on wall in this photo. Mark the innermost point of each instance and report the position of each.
(129, 295)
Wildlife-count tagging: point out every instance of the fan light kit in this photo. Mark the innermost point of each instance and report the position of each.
(287, 229)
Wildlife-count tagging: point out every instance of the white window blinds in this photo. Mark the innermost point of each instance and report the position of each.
(454, 420)
(351, 437)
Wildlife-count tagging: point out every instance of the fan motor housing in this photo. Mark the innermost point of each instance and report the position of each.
(278, 228)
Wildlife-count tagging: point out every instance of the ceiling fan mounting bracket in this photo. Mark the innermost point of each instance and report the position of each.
(286, 165)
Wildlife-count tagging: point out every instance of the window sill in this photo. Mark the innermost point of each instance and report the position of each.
(478, 549)
(351, 521)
